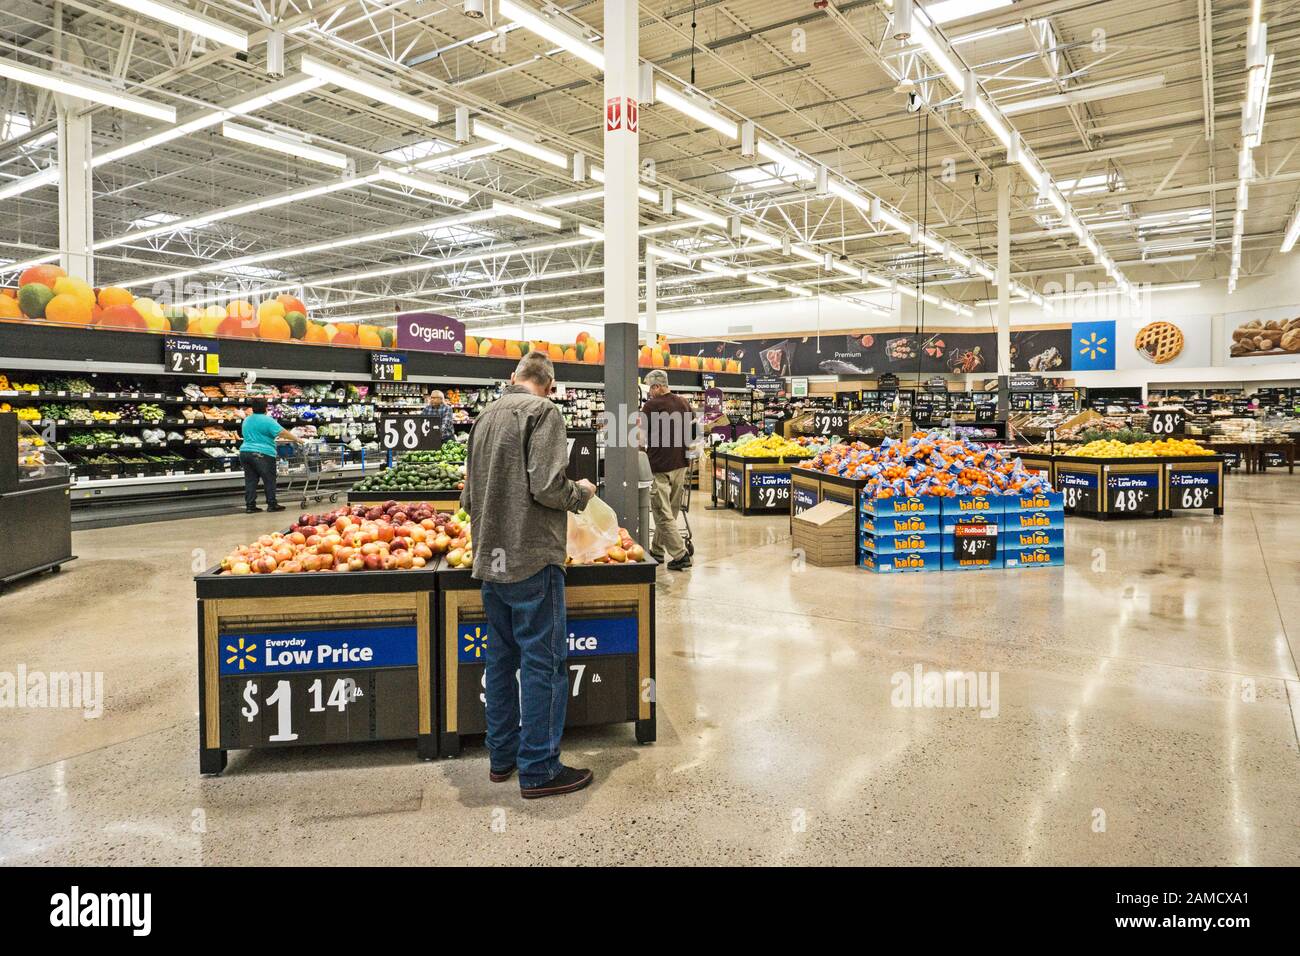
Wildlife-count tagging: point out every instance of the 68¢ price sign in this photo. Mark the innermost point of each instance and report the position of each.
(409, 433)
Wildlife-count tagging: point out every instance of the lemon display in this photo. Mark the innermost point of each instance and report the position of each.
(1164, 448)
(770, 446)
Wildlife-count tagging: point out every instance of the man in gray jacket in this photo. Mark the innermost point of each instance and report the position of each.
(518, 497)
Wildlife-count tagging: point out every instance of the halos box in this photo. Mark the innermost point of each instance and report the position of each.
(1049, 557)
(900, 507)
(904, 561)
(925, 522)
(1034, 511)
(1015, 538)
(970, 508)
(905, 542)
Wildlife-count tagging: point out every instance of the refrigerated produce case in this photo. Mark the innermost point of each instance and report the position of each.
(35, 504)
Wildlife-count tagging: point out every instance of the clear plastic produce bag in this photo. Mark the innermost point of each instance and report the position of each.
(593, 531)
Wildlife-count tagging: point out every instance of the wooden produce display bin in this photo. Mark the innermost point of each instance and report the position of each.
(826, 534)
(1195, 483)
(441, 499)
(297, 659)
(611, 662)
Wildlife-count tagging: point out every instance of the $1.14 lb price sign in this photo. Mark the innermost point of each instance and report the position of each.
(409, 433)
(281, 688)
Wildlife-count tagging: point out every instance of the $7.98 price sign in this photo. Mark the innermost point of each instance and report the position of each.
(409, 433)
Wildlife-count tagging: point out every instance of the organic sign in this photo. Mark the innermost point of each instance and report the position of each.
(430, 332)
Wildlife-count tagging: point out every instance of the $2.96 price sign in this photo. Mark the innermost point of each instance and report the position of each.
(409, 433)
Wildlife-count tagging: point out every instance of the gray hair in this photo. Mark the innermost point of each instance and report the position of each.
(656, 377)
(535, 367)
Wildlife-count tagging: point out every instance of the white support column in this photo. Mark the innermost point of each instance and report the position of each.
(76, 211)
(622, 260)
(1004, 273)
(651, 298)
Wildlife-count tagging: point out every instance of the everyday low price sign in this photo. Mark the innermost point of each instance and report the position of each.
(190, 357)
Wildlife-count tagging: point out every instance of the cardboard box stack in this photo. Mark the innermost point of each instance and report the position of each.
(825, 534)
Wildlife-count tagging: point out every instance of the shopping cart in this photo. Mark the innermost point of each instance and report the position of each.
(686, 519)
(309, 463)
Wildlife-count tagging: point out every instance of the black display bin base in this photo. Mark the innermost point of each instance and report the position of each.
(35, 530)
(352, 660)
(414, 685)
(611, 656)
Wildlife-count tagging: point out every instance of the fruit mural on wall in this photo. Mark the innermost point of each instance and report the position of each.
(46, 293)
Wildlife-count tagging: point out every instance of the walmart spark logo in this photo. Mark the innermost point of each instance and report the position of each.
(244, 653)
(475, 643)
(1093, 345)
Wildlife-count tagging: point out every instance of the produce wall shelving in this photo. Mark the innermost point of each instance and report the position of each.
(31, 350)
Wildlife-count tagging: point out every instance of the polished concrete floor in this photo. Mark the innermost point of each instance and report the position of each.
(1146, 713)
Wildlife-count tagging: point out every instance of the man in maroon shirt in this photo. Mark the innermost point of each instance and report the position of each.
(668, 431)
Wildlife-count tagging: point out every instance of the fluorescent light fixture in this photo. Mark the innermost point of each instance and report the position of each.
(460, 157)
(533, 20)
(425, 184)
(276, 93)
(243, 209)
(46, 177)
(372, 88)
(520, 145)
(685, 104)
(785, 160)
(1292, 232)
(699, 212)
(569, 199)
(86, 90)
(1086, 94)
(663, 252)
(530, 215)
(799, 291)
(188, 20)
(280, 144)
(947, 10)
(644, 193)
(760, 279)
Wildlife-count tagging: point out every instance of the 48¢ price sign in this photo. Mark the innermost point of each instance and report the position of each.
(409, 433)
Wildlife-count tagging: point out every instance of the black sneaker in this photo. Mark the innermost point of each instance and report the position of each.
(252, 510)
(659, 558)
(567, 780)
(681, 564)
(275, 508)
(501, 776)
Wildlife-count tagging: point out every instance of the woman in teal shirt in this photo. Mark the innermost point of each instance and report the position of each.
(257, 454)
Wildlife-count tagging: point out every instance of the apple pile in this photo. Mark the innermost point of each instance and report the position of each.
(626, 551)
(388, 537)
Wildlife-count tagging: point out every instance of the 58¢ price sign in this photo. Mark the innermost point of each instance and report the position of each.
(409, 433)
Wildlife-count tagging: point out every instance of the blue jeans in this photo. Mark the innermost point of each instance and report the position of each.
(528, 633)
(258, 466)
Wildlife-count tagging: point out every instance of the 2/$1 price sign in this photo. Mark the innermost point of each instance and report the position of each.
(409, 433)
(190, 357)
